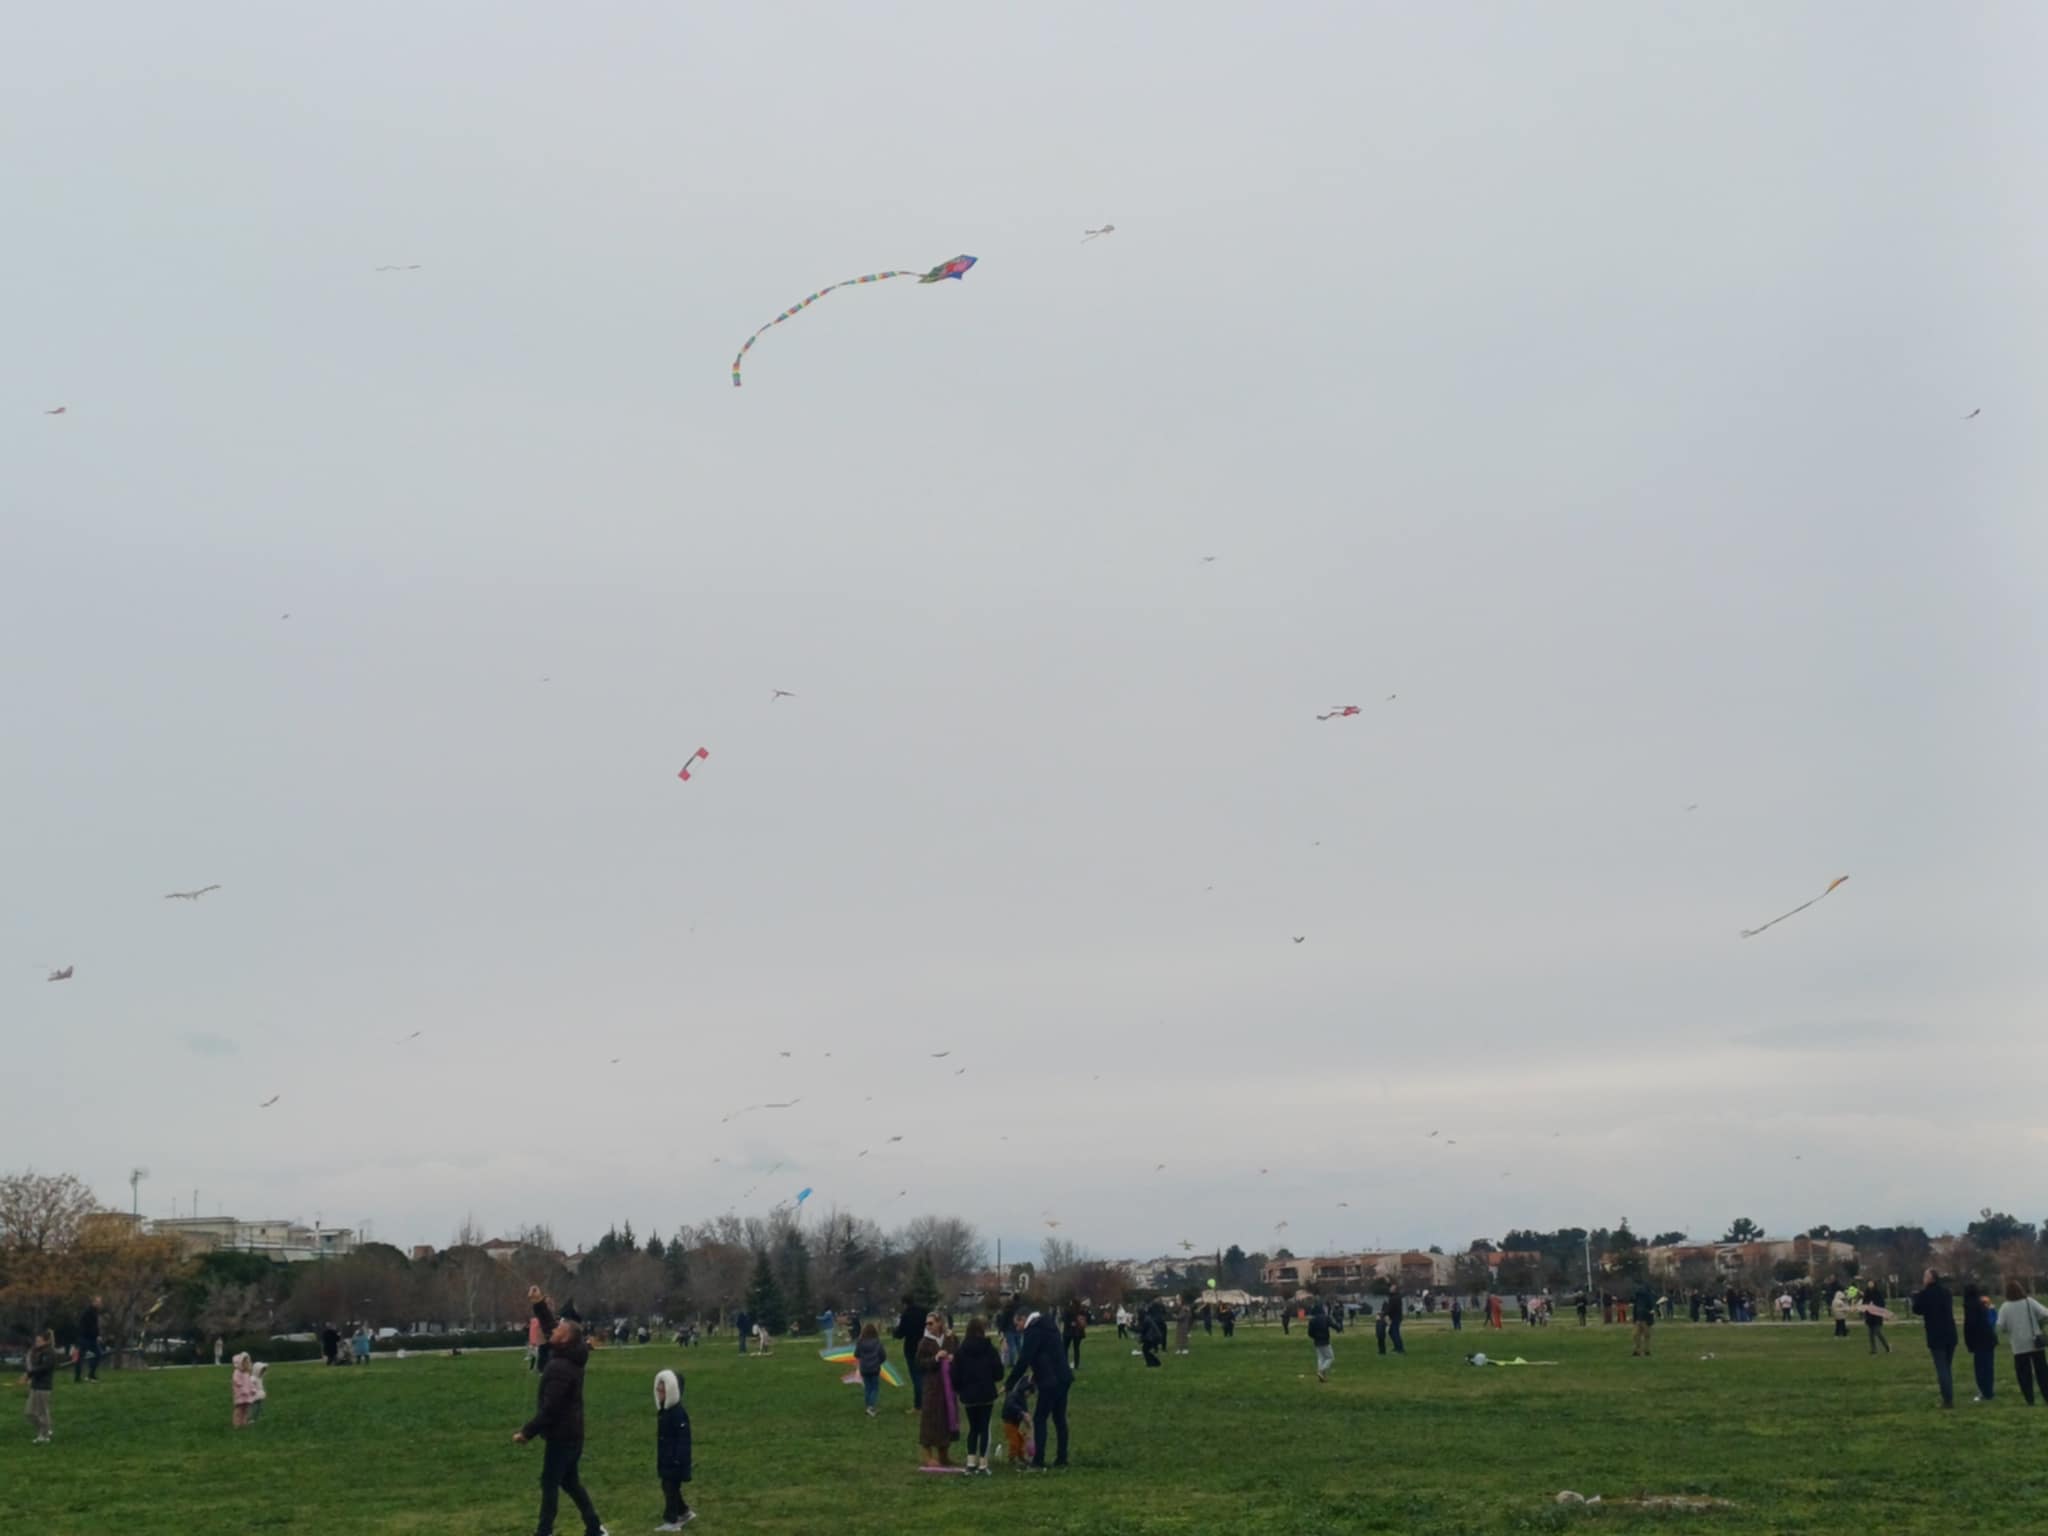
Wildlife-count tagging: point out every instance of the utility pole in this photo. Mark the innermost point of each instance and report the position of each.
(1589, 1262)
(135, 1178)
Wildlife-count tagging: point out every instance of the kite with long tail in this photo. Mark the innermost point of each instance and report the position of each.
(1750, 933)
(955, 269)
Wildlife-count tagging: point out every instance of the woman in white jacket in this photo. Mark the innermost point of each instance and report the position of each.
(2024, 1322)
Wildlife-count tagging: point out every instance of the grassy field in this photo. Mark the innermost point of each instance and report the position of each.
(1804, 1432)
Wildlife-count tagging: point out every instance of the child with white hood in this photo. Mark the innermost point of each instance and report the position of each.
(672, 1450)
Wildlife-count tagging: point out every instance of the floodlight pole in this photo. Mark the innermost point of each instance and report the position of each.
(1588, 1238)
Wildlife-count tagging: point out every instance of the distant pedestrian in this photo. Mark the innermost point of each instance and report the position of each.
(1394, 1310)
(1874, 1315)
(1074, 1332)
(869, 1355)
(1937, 1315)
(261, 1371)
(217, 1349)
(1319, 1336)
(242, 1388)
(1152, 1333)
(1183, 1326)
(671, 1450)
(1458, 1315)
(39, 1370)
(362, 1343)
(559, 1421)
(828, 1324)
(743, 1325)
(330, 1342)
(1123, 1321)
(2024, 1322)
(1493, 1312)
(1980, 1338)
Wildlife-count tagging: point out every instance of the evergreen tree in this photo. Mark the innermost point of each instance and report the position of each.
(924, 1285)
(764, 1296)
(654, 1246)
(796, 1280)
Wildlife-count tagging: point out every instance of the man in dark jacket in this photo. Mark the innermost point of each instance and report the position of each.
(1319, 1336)
(330, 1342)
(1040, 1354)
(910, 1329)
(1645, 1303)
(1152, 1332)
(88, 1349)
(559, 1421)
(1938, 1316)
(743, 1324)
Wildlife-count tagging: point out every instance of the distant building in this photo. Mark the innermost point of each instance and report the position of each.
(1821, 1255)
(285, 1242)
(1412, 1270)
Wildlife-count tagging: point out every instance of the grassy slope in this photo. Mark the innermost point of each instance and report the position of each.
(1807, 1433)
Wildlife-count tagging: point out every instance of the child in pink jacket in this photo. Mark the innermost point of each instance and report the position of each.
(247, 1390)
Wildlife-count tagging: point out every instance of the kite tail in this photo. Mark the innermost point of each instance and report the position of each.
(797, 309)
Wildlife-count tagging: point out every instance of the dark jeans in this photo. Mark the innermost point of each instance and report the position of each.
(1875, 1327)
(977, 1427)
(88, 1351)
(1986, 1362)
(1458, 1321)
(1944, 1371)
(673, 1505)
(1074, 1352)
(916, 1377)
(1841, 1327)
(1052, 1404)
(1151, 1351)
(2032, 1369)
(1380, 1338)
(558, 1476)
(1394, 1333)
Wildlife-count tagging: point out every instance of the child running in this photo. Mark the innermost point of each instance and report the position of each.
(672, 1450)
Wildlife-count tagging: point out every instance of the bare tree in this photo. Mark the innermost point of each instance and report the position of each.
(469, 1234)
(954, 1247)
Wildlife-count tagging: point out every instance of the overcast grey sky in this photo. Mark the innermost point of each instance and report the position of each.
(1591, 376)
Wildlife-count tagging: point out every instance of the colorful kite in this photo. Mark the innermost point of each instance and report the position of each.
(1339, 712)
(697, 756)
(803, 1194)
(843, 1355)
(1750, 933)
(955, 269)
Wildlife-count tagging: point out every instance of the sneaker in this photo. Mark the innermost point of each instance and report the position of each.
(670, 1525)
(688, 1516)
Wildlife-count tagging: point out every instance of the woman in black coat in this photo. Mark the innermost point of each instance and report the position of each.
(671, 1448)
(977, 1382)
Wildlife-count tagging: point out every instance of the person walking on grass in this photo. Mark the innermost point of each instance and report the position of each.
(671, 1450)
(1645, 1309)
(1319, 1336)
(869, 1355)
(86, 1356)
(559, 1421)
(1152, 1332)
(1395, 1309)
(1937, 1315)
(2024, 1322)
(361, 1341)
(1041, 1355)
(39, 1370)
(977, 1371)
(1980, 1338)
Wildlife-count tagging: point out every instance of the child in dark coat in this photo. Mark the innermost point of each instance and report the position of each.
(672, 1450)
(1017, 1423)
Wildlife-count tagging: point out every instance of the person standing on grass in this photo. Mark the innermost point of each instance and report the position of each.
(1075, 1331)
(671, 1450)
(1873, 1319)
(1645, 1307)
(910, 1329)
(869, 1356)
(1980, 1338)
(1395, 1309)
(1379, 1328)
(1123, 1321)
(39, 1370)
(1493, 1311)
(743, 1325)
(1938, 1318)
(936, 1426)
(1042, 1357)
(362, 1343)
(1183, 1326)
(2024, 1322)
(88, 1348)
(1152, 1332)
(244, 1388)
(977, 1383)
(559, 1421)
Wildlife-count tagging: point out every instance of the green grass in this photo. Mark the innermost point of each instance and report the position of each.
(1806, 1433)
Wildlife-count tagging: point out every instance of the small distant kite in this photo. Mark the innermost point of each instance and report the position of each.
(1097, 234)
(1971, 417)
(413, 1036)
(780, 693)
(1750, 933)
(413, 268)
(1301, 938)
(1050, 1222)
(58, 412)
(955, 269)
(1186, 1246)
(1432, 1133)
(189, 895)
(895, 1138)
(1161, 1168)
(270, 1101)
(1208, 559)
(697, 756)
(64, 974)
(1339, 712)
(959, 1071)
(940, 1055)
(803, 1194)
